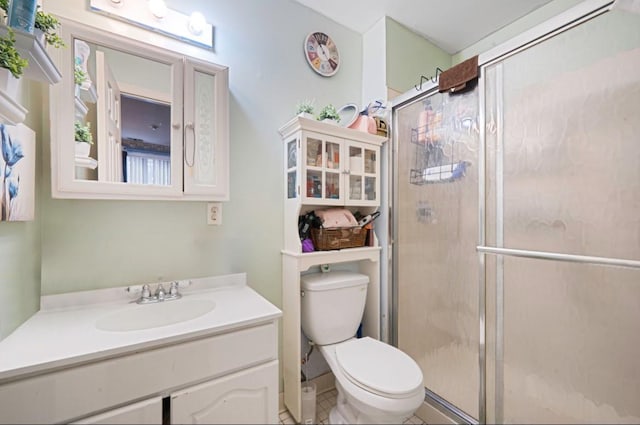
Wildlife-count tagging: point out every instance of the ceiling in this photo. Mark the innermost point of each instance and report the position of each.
(451, 25)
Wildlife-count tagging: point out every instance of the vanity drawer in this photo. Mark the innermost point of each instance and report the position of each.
(75, 392)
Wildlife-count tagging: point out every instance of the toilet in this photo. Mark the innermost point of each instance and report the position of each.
(376, 382)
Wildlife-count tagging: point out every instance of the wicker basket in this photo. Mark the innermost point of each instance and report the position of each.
(328, 239)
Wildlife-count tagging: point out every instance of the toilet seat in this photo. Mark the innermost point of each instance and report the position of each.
(378, 368)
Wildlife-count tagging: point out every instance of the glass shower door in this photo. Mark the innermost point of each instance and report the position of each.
(563, 202)
(436, 263)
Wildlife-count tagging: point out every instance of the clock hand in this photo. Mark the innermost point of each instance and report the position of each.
(321, 46)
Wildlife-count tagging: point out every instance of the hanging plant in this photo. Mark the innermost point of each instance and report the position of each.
(48, 24)
(9, 56)
(44, 22)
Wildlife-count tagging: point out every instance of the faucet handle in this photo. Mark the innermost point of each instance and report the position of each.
(160, 293)
(173, 290)
(146, 291)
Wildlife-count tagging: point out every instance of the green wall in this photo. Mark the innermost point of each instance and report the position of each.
(20, 252)
(409, 56)
(78, 245)
(519, 26)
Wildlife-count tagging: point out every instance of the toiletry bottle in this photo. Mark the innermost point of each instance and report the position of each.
(22, 15)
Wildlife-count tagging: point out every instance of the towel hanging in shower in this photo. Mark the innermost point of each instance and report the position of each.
(460, 77)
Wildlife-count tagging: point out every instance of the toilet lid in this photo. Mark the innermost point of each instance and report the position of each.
(378, 367)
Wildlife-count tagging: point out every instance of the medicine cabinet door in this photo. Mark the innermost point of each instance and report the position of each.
(206, 150)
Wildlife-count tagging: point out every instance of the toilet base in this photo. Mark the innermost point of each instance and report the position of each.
(346, 413)
(335, 417)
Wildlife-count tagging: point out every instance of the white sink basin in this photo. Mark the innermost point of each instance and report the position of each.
(147, 316)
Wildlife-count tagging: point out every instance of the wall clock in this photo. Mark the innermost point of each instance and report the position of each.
(322, 54)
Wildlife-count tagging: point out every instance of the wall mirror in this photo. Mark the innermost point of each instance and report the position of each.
(156, 121)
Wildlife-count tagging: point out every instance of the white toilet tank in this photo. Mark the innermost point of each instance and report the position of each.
(332, 305)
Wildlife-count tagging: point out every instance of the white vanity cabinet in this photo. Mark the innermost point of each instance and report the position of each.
(245, 397)
(221, 367)
(143, 413)
(237, 367)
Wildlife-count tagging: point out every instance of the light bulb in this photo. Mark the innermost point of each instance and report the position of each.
(158, 8)
(197, 22)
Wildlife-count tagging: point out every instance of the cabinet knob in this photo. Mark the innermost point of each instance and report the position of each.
(176, 126)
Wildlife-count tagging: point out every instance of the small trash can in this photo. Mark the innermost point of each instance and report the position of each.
(308, 403)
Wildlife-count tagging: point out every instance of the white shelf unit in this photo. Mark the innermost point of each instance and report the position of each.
(336, 140)
(86, 162)
(11, 112)
(40, 68)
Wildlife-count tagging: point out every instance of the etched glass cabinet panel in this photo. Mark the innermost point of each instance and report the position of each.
(205, 130)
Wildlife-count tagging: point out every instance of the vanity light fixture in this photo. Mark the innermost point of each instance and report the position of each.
(158, 8)
(154, 15)
(197, 23)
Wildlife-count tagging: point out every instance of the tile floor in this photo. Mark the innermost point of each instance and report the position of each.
(324, 402)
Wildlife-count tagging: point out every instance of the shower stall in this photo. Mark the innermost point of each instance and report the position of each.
(516, 228)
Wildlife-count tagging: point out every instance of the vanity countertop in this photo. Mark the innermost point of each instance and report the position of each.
(64, 331)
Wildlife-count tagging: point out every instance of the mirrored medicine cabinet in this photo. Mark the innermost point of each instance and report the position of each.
(156, 121)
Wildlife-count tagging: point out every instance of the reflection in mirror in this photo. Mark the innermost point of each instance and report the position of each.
(146, 138)
(126, 101)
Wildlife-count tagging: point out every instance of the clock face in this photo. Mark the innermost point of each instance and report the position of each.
(322, 53)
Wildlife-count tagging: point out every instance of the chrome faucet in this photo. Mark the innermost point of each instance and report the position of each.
(160, 294)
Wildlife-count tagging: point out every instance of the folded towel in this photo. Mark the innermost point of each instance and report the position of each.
(336, 217)
(459, 77)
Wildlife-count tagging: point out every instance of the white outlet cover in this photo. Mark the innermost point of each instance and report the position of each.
(214, 213)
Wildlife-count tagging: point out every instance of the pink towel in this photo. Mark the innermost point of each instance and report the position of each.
(336, 217)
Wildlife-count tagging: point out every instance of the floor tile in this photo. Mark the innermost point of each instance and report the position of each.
(324, 404)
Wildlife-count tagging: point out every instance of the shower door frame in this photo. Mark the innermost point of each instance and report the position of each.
(571, 18)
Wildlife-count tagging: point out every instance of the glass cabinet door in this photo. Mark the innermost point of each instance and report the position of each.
(322, 175)
(363, 168)
(292, 168)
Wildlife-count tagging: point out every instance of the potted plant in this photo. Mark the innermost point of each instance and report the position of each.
(84, 138)
(45, 26)
(329, 114)
(79, 77)
(11, 64)
(305, 109)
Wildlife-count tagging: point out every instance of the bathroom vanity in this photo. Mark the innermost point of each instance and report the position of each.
(99, 357)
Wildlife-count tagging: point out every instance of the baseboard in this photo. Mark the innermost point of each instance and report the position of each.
(326, 382)
(430, 415)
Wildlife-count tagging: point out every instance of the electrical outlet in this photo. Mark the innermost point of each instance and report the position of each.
(214, 213)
